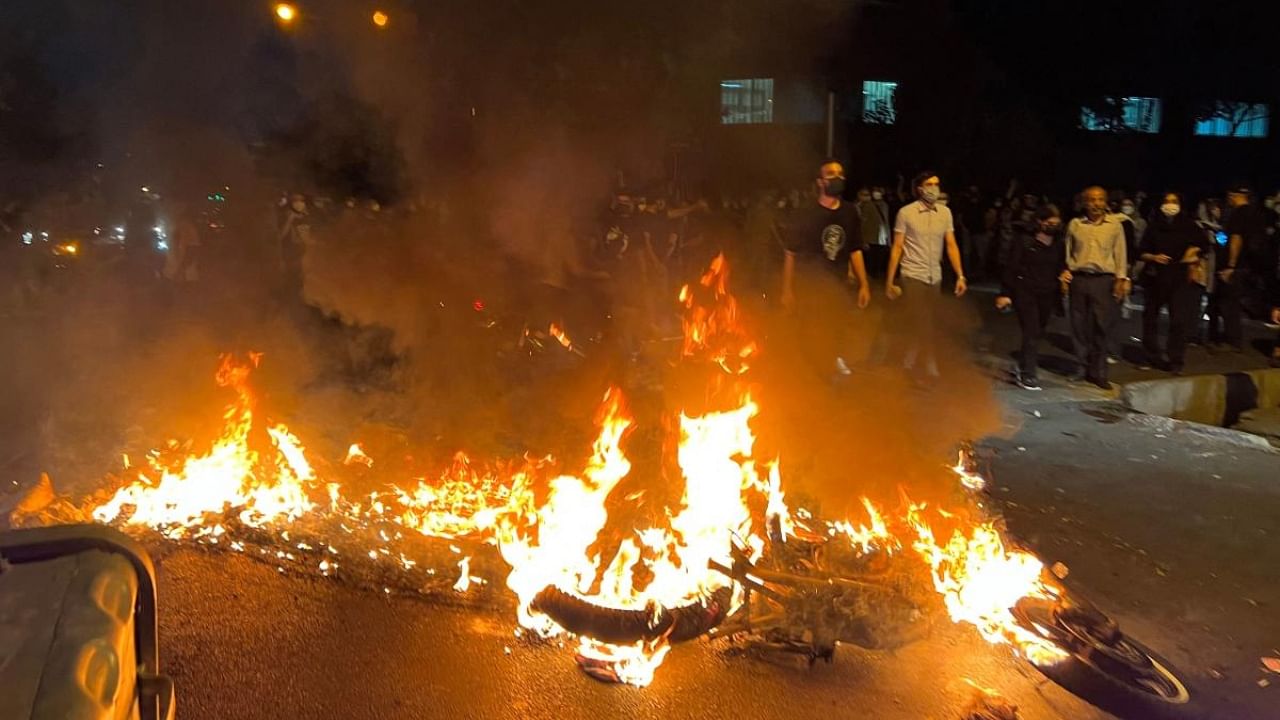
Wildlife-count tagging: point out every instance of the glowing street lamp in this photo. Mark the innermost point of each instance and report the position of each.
(380, 18)
(286, 13)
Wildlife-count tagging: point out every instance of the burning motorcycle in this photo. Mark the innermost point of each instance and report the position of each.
(681, 530)
(809, 593)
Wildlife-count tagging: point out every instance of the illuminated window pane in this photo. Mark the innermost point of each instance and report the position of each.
(1236, 119)
(879, 106)
(746, 102)
(1134, 114)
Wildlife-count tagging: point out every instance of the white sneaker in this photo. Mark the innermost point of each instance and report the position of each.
(842, 367)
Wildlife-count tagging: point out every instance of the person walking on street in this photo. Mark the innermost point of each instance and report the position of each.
(1172, 250)
(1037, 257)
(824, 249)
(1097, 279)
(922, 233)
(1245, 229)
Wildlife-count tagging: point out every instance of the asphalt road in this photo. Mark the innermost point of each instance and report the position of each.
(242, 640)
(1172, 531)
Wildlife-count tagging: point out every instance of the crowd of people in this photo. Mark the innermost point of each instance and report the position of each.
(815, 251)
(1220, 261)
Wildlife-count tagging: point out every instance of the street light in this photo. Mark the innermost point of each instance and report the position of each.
(286, 13)
(380, 18)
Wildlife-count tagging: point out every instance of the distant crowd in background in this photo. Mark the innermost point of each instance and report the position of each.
(1194, 267)
(814, 250)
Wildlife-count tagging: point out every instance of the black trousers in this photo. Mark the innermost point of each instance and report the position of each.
(1226, 313)
(1093, 313)
(1183, 300)
(1034, 309)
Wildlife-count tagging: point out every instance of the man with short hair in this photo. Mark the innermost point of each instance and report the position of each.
(1098, 280)
(824, 247)
(923, 232)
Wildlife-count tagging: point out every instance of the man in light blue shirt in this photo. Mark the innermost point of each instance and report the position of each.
(923, 232)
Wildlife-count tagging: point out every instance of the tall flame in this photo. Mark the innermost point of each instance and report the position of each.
(568, 530)
(260, 487)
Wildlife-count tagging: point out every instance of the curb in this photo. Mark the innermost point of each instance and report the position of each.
(1214, 400)
(1160, 423)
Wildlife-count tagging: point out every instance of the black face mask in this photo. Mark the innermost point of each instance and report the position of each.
(835, 186)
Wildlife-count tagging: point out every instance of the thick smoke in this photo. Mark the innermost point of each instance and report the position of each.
(491, 166)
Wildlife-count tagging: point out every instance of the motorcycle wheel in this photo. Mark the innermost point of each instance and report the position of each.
(1110, 669)
(582, 617)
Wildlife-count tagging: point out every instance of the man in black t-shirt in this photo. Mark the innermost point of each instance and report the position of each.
(1237, 263)
(826, 236)
(824, 250)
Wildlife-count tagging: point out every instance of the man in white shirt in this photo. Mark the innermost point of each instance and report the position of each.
(924, 230)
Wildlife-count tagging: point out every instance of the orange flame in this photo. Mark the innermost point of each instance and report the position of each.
(260, 484)
(357, 456)
(981, 581)
(556, 530)
(559, 334)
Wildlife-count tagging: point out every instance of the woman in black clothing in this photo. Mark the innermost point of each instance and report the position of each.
(1172, 250)
(1037, 255)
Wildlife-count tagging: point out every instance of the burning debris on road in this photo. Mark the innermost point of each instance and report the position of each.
(687, 535)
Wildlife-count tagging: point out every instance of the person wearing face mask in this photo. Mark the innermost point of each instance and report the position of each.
(1172, 250)
(1029, 285)
(1129, 208)
(923, 233)
(824, 247)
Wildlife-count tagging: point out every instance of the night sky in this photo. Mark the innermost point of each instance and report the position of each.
(449, 86)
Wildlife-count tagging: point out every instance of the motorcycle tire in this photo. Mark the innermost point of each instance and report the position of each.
(1165, 696)
(626, 627)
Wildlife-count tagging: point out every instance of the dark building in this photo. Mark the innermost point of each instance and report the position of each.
(1136, 95)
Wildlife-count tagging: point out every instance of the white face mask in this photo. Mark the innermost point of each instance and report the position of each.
(877, 196)
(1170, 209)
(1127, 209)
(930, 194)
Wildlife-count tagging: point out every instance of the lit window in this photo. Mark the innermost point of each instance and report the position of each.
(744, 102)
(1234, 119)
(878, 104)
(1116, 114)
